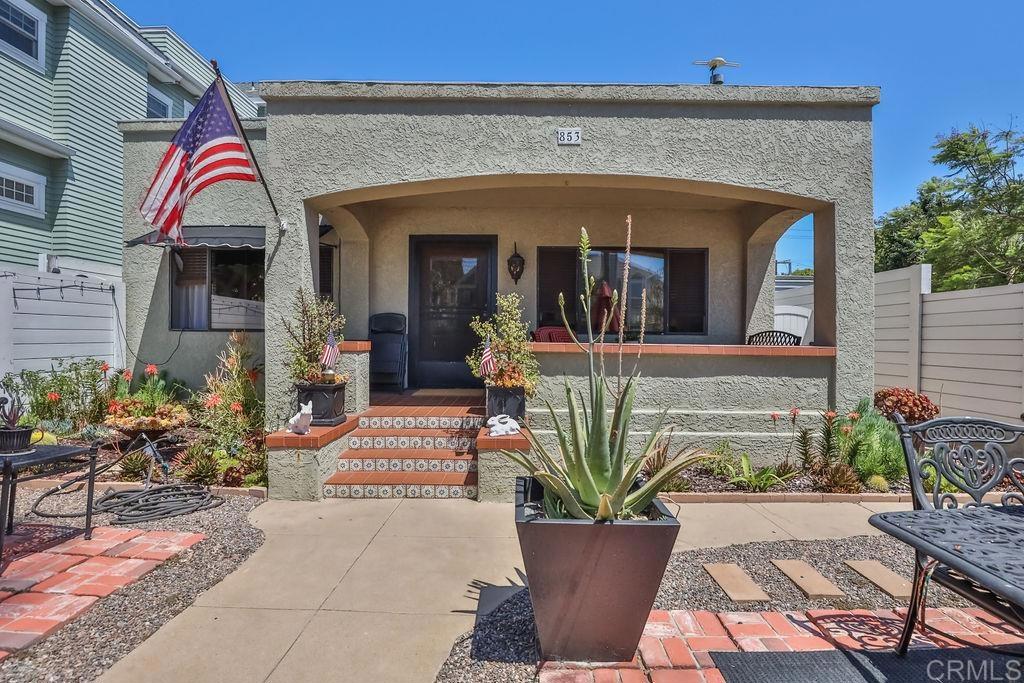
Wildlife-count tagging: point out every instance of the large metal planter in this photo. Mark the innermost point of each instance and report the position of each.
(507, 401)
(592, 585)
(328, 402)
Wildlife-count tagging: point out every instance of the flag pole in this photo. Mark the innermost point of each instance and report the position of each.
(283, 225)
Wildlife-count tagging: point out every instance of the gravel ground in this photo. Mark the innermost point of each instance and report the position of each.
(502, 647)
(118, 623)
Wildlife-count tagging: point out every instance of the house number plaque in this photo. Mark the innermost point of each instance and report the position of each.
(568, 136)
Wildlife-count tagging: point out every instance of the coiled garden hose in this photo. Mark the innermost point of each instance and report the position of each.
(146, 504)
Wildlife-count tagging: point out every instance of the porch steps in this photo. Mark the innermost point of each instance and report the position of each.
(414, 439)
(410, 451)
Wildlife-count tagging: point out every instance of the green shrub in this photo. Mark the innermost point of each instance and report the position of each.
(202, 468)
(877, 482)
(759, 480)
(514, 363)
(879, 451)
(71, 393)
(723, 461)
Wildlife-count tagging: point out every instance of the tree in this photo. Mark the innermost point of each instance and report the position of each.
(803, 271)
(970, 224)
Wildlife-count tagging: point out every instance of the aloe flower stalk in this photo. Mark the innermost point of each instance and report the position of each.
(594, 476)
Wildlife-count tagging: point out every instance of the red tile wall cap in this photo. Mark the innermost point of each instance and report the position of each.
(318, 437)
(694, 349)
(354, 346)
(485, 442)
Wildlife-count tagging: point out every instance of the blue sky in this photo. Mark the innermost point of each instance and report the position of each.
(940, 64)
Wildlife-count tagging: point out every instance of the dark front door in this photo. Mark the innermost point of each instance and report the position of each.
(452, 279)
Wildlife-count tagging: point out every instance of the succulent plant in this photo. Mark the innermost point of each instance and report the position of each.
(12, 409)
(595, 475)
(876, 482)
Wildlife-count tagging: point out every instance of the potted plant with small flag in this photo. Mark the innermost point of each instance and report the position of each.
(503, 358)
(313, 339)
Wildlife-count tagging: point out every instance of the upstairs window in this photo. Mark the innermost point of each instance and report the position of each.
(23, 32)
(217, 289)
(158, 105)
(675, 280)
(22, 191)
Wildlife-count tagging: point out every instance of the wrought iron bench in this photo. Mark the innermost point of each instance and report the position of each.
(973, 548)
(773, 338)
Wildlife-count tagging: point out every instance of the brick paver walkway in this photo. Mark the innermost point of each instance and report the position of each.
(676, 646)
(42, 591)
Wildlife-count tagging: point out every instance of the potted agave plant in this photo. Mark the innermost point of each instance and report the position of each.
(313, 339)
(14, 436)
(594, 536)
(511, 374)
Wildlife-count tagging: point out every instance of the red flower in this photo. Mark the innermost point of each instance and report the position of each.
(230, 361)
(104, 367)
(236, 407)
(775, 417)
(830, 415)
(214, 401)
(53, 396)
(113, 406)
(127, 374)
(254, 375)
(853, 415)
(847, 429)
(151, 370)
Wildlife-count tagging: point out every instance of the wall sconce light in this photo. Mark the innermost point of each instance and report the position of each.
(516, 264)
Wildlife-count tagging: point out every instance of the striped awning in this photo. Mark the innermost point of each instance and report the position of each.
(221, 236)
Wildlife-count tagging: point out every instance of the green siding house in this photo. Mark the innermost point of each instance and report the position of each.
(69, 71)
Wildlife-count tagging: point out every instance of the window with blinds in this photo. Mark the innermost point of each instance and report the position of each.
(217, 289)
(675, 280)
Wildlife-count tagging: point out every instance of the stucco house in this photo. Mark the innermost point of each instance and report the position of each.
(410, 197)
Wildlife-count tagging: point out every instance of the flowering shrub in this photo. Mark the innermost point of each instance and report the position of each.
(515, 364)
(912, 406)
(231, 409)
(151, 407)
(72, 395)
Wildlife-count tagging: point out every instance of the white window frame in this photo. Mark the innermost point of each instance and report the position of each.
(186, 108)
(38, 63)
(150, 90)
(38, 183)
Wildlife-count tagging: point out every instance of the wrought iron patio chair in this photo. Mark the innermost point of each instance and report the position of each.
(970, 454)
(773, 338)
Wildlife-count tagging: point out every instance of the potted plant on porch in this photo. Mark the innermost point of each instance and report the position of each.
(594, 536)
(511, 373)
(15, 436)
(313, 339)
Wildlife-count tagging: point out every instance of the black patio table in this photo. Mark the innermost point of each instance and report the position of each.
(50, 461)
(982, 543)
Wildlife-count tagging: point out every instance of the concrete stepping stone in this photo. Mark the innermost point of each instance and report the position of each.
(736, 583)
(808, 579)
(877, 573)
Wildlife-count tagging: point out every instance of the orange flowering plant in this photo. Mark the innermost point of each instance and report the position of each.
(151, 408)
(514, 363)
(230, 408)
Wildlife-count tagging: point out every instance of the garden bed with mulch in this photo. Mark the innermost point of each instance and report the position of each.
(502, 647)
(118, 623)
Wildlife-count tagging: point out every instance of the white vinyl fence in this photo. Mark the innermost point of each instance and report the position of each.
(964, 349)
(47, 317)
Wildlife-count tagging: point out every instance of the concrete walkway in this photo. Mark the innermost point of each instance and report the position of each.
(378, 590)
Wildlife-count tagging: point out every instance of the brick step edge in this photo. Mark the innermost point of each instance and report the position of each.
(741, 497)
(102, 486)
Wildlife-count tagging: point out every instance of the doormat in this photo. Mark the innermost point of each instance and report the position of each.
(964, 665)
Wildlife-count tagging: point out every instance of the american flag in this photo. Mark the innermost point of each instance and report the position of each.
(487, 364)
(207, 149)
(330, 354)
